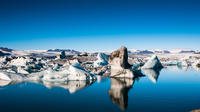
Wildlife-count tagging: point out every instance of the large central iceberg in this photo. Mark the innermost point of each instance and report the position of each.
(118, 61)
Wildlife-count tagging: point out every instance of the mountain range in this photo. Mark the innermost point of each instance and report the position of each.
(55, 52)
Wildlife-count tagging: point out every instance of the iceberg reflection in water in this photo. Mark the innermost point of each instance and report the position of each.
(72, 86)
(119, 91)
(137, 94)
(152, 74)
(4, 83)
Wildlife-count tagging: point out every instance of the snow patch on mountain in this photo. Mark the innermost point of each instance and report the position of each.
(135, 51)
(176, 51)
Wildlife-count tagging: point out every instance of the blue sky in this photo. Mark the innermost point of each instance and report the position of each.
(99, 24)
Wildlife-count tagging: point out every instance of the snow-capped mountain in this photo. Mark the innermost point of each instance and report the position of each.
(135, 51)
(66, 50)
(5, 51)
(3, 54)
(160, 51)
(55, 52)
(50, 52)
(152, 51)
(175, 51)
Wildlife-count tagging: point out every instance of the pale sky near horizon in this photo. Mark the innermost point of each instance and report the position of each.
(97, 25)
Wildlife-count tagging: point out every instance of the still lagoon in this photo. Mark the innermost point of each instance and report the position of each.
(172, 89)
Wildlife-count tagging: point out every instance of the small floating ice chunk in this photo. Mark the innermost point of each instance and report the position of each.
(21, 70)
(20, 61)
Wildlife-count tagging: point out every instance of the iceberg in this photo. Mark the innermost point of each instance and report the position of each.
(152, 68)
(19, 61)
(22, 65)
(66, 73)
(118, 61)
(196, 65)
(182, 64)
(171, 63)
(4, 83)
(153, 63)
(21, 70)
(102, 60)
(3, 60)
(11, 76)
(83, 54)
(62, 55)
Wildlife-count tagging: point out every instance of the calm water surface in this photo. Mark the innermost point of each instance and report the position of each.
(173, 90)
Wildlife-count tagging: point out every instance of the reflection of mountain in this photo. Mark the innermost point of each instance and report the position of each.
(152, 74)
(119, 91)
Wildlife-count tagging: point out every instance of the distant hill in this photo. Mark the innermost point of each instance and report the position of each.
(60, 50)
(3, 54)
(5, 49)
(68, 51)
(55, 52)
(159, 51)
(182, 51)
(140, 51)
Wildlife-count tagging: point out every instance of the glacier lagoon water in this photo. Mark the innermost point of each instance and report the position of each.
(174, 90)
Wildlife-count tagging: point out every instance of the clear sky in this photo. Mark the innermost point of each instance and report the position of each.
(97, 25)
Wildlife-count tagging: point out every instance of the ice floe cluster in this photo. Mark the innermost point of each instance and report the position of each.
(26, 68)
(88, 67)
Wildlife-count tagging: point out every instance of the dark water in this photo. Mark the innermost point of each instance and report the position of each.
(174, 90)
